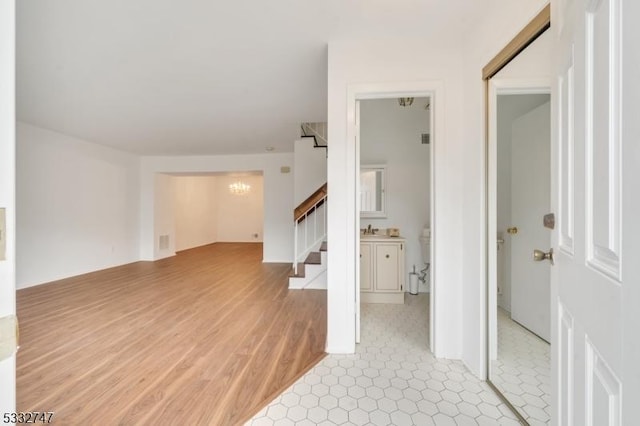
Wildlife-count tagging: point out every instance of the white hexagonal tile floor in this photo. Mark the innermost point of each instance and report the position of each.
(392, 379)
(522, 370)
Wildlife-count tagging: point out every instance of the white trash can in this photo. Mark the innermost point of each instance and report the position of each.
(413, 283)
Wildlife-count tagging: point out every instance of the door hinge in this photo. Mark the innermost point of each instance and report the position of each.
(401, 245)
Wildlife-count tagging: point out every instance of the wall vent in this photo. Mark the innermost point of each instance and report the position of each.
(163, 242)
(426, 139)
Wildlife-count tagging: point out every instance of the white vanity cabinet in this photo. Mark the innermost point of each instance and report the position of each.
(382, 269)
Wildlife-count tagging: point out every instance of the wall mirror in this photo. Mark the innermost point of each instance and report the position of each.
(518, 146)
(373, 191)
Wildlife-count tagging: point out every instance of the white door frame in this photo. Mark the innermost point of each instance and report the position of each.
(8, 201)
(500, 86)
(356, 92)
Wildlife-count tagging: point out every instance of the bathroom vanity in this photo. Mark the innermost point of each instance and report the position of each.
(382, 269)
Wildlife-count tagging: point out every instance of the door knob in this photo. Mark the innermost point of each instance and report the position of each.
(512, 230)
(539, 255)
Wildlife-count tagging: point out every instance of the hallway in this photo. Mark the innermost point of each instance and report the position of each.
(393, 379)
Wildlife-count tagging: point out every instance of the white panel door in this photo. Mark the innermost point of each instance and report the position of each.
(530, 187)
(595, 184)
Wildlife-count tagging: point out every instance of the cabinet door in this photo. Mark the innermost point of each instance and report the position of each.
(366, 277)
(387, 267)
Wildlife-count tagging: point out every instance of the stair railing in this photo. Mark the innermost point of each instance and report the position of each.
(305, 216)
(316, 130)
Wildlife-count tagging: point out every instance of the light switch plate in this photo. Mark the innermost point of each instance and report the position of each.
(8, 336)
(3, 234)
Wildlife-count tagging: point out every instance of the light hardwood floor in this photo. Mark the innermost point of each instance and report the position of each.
(204, 338)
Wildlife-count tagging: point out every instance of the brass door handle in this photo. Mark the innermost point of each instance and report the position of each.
(513, 230)
(539, 255)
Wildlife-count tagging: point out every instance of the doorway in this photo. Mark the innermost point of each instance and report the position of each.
(394, 194)
(388, 148)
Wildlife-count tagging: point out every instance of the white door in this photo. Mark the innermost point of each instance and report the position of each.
(7, 201)
(530, 193)
(595, 300)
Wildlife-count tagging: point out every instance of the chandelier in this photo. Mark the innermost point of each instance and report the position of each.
(239, 188)
(405, 101)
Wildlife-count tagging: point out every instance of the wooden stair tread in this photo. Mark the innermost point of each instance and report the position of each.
(300, 274)
(314, 258)
(323, 247)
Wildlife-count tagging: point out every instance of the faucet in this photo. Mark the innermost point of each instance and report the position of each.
(369, 231)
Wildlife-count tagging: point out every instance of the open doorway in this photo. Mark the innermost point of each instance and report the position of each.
(394, 193)
(193, 210)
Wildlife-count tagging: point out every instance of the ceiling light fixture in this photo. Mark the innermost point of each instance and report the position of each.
(405, 102)
(239, 188)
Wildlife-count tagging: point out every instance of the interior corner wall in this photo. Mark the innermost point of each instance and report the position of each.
(501, 22)
(240, 218)
(77, 205)
(278, 197)
(392, 135)
(195, 211)
(353, 63)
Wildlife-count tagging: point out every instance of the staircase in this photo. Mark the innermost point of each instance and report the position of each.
(310, 232)
(312, 273)
(317, 131)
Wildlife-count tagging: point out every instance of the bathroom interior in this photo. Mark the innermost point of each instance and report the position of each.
(395, 203)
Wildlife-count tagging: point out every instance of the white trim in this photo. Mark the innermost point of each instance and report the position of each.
(566, 162)
(605, 259)
(566, 340)
(598, 371)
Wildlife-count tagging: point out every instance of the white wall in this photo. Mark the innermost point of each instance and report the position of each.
(396, 65)
(459, 173)
(240, 218)
(310, 171)
(278, 198)
(391, 134)
(77, 205)
(195, 212)
(205, 212)
(503, 20)
(163, 216)
(7, 189)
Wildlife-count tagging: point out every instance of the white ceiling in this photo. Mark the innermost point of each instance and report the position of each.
(200, 76)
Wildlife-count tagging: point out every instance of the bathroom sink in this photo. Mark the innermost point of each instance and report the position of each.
(376, 237)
